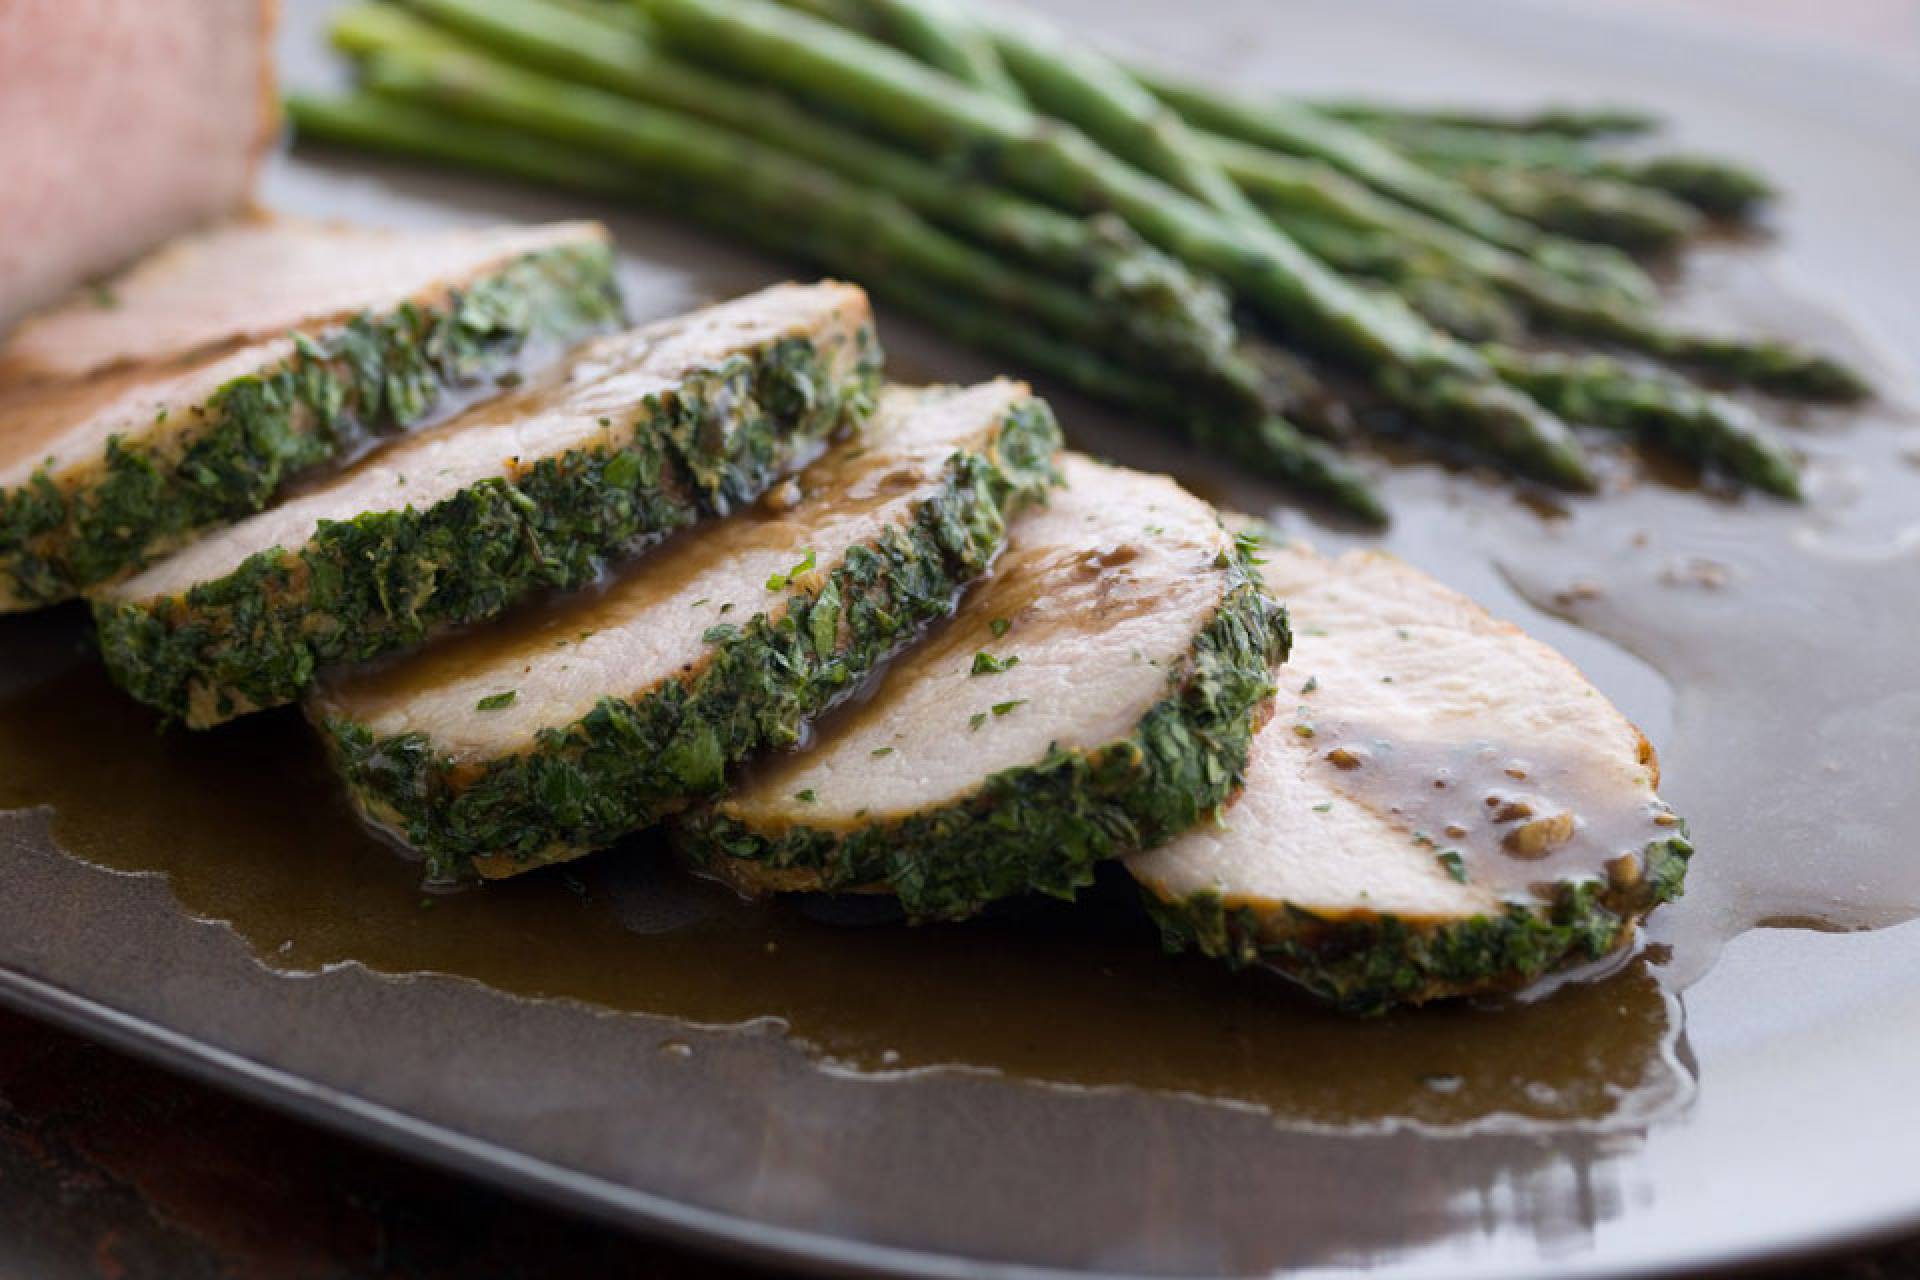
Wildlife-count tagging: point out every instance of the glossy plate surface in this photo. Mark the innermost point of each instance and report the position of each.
(1042, 1090)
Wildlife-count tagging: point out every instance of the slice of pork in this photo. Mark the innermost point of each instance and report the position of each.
(125, 430)
(1440, 805)
(254, 278)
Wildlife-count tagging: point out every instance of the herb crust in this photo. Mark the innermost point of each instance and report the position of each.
(632, 760)
(1365, 964)
(64, 531)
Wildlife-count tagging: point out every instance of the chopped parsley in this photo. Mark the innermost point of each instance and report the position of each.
(985, 664)
(497, 701)
(778, 581)
(881, 751)
(805, 797)
(1325, 806)
(623, 470)
(999, 627)
(977, 719)
(1313, 682)
(1246, 542)
(1001, 708)
(1454, 864)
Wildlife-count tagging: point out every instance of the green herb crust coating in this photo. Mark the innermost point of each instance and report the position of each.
(66, 530)
(1043, 827)
(631, 760)
(387, 580)
(1366, 964)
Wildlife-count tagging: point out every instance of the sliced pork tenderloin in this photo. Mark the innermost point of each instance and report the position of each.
(1441, 806)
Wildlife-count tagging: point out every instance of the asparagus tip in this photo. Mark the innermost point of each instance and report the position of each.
(1829, 380)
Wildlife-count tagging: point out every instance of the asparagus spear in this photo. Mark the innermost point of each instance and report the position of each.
(1604, 210)
(1780, 368)
(1565, 122)
(1718, 188)
(368, 122)
(546, 36)
(1294, 130)
(1462, 308)
(1067, 79)
(1454, 302)
(1272, 446)
(1668, 411)
(1290, 186)
(936, 32)
(1440, 382)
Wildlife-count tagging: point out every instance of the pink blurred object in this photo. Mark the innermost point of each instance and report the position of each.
(122, 123)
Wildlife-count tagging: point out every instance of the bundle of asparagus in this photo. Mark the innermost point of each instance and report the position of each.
(1260, 275)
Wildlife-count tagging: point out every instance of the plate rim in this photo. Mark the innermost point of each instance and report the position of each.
(649, 1215)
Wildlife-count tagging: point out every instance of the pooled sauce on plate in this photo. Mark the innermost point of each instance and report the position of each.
(1785, 633)
(1516, 820)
